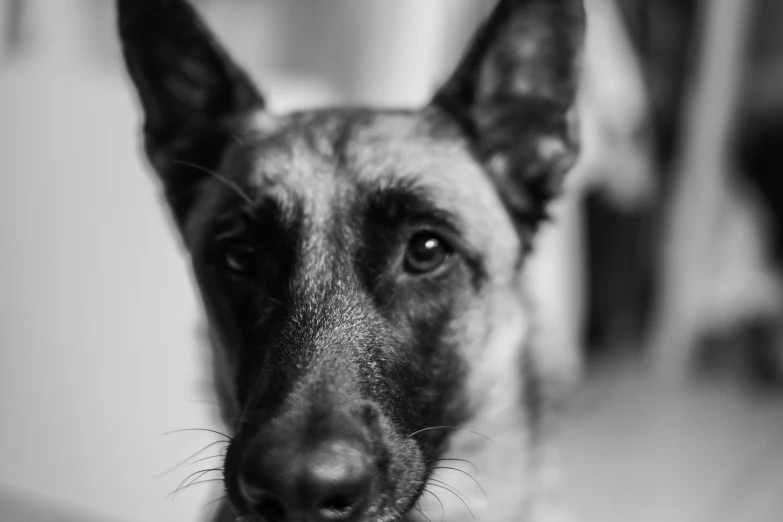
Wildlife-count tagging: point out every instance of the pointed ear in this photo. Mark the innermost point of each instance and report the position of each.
(513, 93)
(193, 95)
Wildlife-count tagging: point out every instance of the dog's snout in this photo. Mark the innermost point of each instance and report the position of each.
(330, 482)
(337, 478)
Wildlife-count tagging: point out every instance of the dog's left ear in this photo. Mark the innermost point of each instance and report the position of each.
(514, 92)
(193, 95)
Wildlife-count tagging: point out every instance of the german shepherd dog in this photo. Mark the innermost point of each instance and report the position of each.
(361, 269)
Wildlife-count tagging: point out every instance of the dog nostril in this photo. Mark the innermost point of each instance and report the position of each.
(338, 507)
(262, 501)
(267, 506)
(270, 509)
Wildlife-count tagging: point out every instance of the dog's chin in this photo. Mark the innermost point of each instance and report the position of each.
(383, 507)
(390, 516)
(378, 513)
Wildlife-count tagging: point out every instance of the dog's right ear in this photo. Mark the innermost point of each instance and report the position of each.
(513, 93)
(193, 95)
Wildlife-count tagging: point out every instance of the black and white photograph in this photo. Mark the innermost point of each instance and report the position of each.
(391, 261)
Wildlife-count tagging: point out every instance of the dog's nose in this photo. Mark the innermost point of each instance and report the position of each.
(329, 483)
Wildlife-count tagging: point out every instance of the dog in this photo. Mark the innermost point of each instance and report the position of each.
(361, 269)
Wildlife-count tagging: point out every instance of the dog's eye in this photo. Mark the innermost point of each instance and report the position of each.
(426, 252)
(240, 257)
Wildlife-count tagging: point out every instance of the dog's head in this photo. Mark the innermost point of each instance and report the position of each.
(360, 268)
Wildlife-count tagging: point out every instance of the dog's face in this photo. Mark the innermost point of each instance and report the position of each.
(357, 266)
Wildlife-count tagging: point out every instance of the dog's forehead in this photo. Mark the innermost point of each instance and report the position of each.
(317, 158)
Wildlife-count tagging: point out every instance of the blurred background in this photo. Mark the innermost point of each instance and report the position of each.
(658, 280)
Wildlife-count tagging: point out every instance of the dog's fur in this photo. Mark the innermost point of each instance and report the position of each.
(304, 231)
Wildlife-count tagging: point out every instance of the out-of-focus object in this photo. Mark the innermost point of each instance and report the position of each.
(717, 275)
(615, 162)
(614, 113)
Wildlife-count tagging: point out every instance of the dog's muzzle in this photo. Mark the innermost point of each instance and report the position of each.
(331, 481)
(324, 472)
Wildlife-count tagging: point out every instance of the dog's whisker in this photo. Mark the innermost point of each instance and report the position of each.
(193, 484)
(471, 477)
(204, 472)
(221, 455)
(219, 499)
(456, 495)
(219, 177)
(442, 509)
(466, 461)
(460, 428)
(228, 438)
(422, 513)
(185, 461)
(453, 489)
(196, 475)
